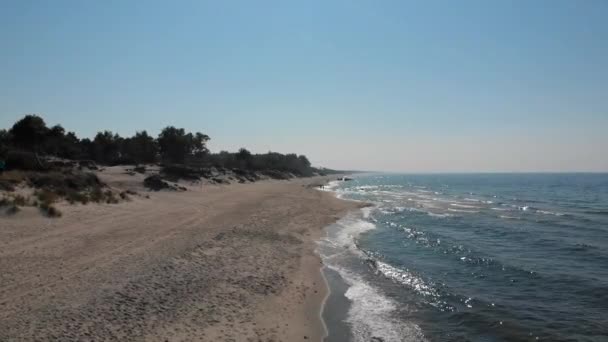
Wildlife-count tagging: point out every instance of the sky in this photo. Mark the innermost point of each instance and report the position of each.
(403, 86)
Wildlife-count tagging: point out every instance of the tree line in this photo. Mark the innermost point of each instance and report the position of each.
(171, 146)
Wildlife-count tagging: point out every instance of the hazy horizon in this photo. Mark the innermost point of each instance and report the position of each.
(387, 86)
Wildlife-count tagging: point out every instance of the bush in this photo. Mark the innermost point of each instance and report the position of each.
(46, 196)
(4, 202)
(140, 169)
(12, 210)
(13, 176)
(156, 183)
(124, 196)
(49, 210)
(75, 196)
(62, 182)
(20, 200)
(176, 172)
(96, 195)
(89, 164)
(110, 198)
(22, 160)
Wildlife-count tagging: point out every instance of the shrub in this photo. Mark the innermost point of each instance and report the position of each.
(63, 181)
(96, 195)
(46, 196)
(6, 185)
(12, 210)
(75, 196)
(140, 169)
(20, 200)
(49, 210)
(4, 202)
(110, 198)
(176, 172)
(155, 183)
(22, 160)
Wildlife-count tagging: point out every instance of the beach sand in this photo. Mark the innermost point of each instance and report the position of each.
(214, 263)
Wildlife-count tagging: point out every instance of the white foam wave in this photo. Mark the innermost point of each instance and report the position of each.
(463, 211)
(367, 187)
(331, 185)
(439, 215)
(366, 211)
(546, 212)
(406, 278)
(350, 230)
(371, 314)
(458, 205)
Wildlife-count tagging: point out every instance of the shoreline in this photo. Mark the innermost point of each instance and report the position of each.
(232, 262)
(337, 286)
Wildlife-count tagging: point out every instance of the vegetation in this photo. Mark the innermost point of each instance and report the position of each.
(57, 163)
(24, 144)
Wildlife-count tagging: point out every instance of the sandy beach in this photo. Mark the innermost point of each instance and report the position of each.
(214, 263)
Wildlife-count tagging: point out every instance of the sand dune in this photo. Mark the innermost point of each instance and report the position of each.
(215, 263)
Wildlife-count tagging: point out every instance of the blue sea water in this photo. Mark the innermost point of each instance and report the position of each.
(474, 257)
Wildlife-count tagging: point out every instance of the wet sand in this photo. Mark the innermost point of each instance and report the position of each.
(214, 263)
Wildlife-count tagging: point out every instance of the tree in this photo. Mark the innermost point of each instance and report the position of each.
(175, 145)
(70, 147)
(29, 132)
(199, 144)
(244, 158)
(5, 141)
(141, 148)
(106, 147)
(54, 140)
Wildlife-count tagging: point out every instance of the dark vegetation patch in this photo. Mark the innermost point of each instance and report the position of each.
(12, 209)
(49, 210)
(140, 169)
(184, 154)
(58, 184)
(8, 206)
(175, 172)
(156, 183)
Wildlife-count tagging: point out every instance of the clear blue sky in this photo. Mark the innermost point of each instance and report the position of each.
(382, 85)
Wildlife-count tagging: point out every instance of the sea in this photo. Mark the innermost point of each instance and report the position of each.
(469, 257)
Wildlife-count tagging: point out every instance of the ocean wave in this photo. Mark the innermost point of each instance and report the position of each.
(596, 212)
(458, 205)
(425, 191)
(367, 187)
(406, 278)
(463, 211)
(471, 200)
(439, 215)
(371, 315)
(554, 213)
(331, 185)
(367, 211)
(350, 230)
(510, 217)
